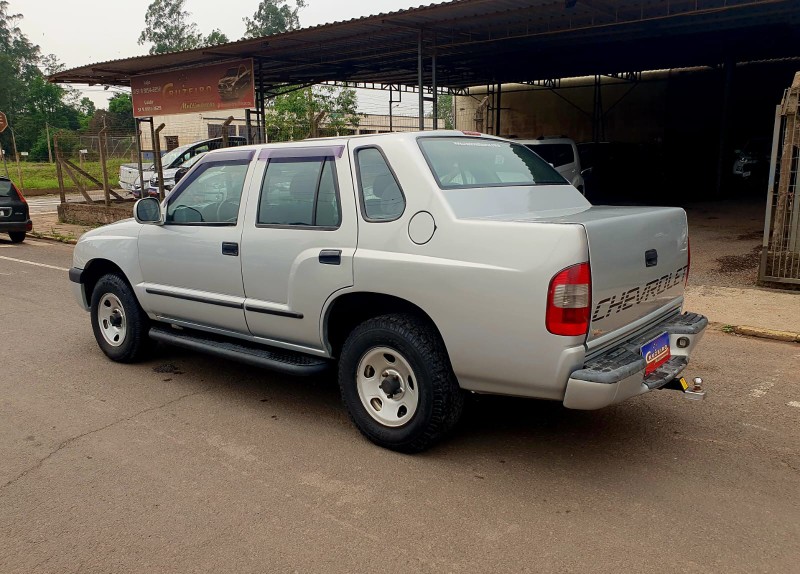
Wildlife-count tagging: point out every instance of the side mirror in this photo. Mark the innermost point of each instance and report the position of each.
(180, 173)
(147, 211)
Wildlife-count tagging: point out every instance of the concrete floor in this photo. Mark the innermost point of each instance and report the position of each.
(191, 464)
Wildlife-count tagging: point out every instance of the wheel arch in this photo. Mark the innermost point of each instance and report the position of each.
(97, 268)
(348, 310)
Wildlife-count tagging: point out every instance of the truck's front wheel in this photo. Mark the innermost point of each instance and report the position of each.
(120, 325)
(397, 383)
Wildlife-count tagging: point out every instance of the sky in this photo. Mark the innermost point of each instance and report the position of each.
(80, 32)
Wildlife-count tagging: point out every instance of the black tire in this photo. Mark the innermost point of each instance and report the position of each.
(17, 236)
(440, 399)
(136, 343)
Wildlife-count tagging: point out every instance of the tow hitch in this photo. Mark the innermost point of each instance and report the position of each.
(693, 392)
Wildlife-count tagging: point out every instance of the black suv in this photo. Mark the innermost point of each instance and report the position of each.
(14, 214)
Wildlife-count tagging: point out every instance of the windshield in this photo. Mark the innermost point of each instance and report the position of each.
(556, 154)
(468, 162)
(193, 160)
(6, 189)
(169, 158)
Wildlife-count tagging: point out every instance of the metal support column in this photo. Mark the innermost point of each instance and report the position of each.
(497, 110)
(419, 83)
(435, 94)
(724, 129)
(598, 115)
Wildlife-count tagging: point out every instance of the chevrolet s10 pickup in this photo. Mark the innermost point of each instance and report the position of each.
(419, 265)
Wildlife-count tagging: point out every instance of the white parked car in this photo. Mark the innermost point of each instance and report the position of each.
(562, 154)
(421, 265)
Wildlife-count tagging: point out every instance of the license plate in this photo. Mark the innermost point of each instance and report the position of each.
(656, 352)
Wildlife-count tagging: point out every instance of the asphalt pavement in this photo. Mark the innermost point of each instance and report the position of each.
(187, 463)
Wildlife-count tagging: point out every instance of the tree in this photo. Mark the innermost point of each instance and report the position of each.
(445, 109)
(302, 113)
(168, 28)
(215, 38)
(273, 17)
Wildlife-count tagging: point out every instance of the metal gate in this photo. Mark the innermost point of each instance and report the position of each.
(780, 254)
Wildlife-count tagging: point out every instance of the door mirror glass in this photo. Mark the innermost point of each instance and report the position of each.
(147, 210)
(180, 173)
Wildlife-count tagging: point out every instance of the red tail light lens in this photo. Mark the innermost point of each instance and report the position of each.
(569, 300)
(19, 194)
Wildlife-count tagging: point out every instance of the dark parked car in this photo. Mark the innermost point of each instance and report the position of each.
(14, 214)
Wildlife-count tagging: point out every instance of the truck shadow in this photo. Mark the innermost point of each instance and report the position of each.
(493, 428)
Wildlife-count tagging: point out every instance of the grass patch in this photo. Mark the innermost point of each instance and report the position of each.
(43, 175)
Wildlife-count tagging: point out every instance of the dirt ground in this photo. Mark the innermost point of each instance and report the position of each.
(730, 233)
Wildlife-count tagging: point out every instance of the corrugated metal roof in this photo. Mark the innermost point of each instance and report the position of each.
(488, 41)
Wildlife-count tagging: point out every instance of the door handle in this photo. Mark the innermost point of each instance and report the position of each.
(330, 256)
(230, 248)
(650, 258)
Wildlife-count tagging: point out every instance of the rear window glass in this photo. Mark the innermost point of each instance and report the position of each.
(6, 190)
(467, 162)
(554, 154)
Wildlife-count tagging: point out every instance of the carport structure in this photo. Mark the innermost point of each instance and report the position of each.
(464, 43)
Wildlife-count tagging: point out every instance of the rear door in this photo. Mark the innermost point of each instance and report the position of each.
(299, 241)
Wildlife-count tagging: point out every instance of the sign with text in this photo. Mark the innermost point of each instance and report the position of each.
(3, 122)
(205, 89)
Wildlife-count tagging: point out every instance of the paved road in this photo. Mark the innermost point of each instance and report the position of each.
(191, 464)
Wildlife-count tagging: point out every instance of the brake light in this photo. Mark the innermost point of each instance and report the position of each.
(19, 194)
(688, 261)
(469, 133)
(569, 300)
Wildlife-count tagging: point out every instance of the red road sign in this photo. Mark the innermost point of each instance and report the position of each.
(3, 122)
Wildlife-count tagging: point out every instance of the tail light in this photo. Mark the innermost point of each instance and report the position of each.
(19, 194)
(569, 300)
(688, 261)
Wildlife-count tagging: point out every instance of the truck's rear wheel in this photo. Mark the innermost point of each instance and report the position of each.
(397, 383)
(120, 325)
(17, 236)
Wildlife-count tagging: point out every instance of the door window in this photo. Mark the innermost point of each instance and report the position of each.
(211, 196)
(381, 195)
(300, 192)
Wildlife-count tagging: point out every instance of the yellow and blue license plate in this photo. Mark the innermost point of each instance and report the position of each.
(656, 352)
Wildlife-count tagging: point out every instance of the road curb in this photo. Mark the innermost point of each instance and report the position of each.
(786, 336)
(48, 237)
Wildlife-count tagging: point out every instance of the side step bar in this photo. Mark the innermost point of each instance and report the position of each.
(281, 360)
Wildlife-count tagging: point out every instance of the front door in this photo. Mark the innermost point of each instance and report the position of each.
(298, 245)
(191, 265)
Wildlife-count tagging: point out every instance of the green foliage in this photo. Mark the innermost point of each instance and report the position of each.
(215, 38)
(28, 99)
(168, 28)
(118, 117)
(307, 112)
(273, 17)
(446, 113)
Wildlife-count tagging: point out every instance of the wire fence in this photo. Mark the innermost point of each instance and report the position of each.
(780, 260)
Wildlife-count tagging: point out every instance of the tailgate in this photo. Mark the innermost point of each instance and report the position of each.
(639, 258)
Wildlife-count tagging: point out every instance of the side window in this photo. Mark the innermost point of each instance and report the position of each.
(212, 196)
(299, 192)
(381, 195)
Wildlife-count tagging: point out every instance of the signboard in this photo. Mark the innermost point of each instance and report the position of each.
(3, 122)
(23, 153)
(204, 89)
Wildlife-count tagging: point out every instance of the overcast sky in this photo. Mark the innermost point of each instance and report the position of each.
(87, 31)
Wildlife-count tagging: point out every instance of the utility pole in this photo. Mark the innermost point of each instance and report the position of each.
(49, 149)
(16, 157)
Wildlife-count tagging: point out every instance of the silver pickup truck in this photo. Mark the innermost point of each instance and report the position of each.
(420, 265)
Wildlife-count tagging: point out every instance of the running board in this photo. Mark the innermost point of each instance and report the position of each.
(281, 360)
